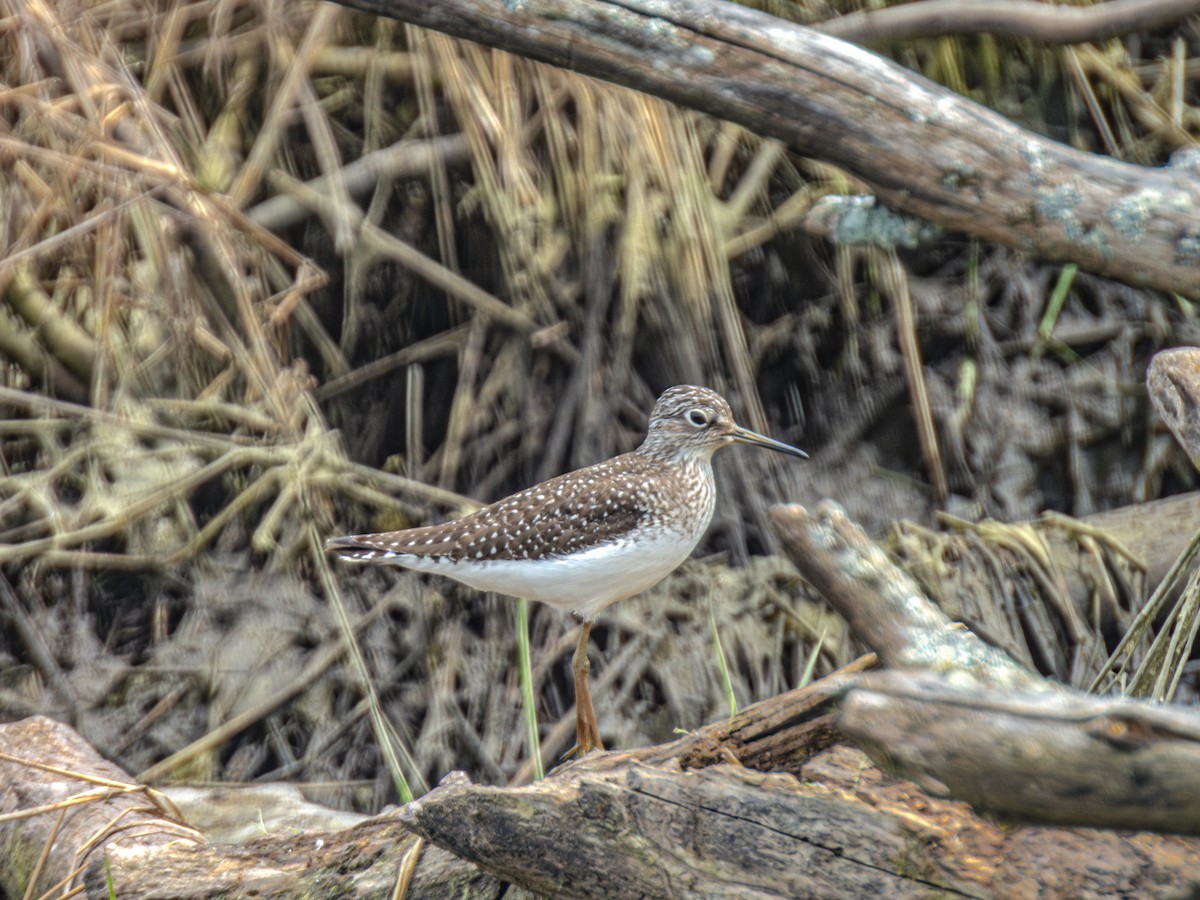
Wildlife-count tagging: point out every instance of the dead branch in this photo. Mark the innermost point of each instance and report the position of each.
(58, 793)
(883, 605)
(403, 159)
(1100, 761)
(977, 726)
(1042, 22)
(924, 149)
(614, 825)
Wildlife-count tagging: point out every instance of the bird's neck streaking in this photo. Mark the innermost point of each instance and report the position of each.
(664, 448)
(686, 493)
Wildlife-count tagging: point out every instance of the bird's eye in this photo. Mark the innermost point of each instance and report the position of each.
(698, 417)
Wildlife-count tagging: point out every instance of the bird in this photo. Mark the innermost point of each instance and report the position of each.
(590, 538)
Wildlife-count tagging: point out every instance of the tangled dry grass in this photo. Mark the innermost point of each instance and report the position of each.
(279, 271)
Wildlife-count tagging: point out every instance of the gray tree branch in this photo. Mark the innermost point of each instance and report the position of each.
(1046, 23)
(923, 149)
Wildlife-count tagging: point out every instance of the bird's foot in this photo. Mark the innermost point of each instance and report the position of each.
(587, 730)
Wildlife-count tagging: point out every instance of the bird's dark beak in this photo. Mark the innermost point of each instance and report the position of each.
(746, 436)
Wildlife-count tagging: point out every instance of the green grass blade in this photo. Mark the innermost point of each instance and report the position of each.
(810, 664)
(526, 674)
(1057, 298)
(722, 664)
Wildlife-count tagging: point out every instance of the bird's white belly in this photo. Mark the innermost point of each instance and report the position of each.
(583, 583)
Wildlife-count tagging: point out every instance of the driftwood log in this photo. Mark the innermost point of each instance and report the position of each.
(1035, 757)
(922, 148)
(1042, 22)
(70, 819)
(695, 817)
(770, 803)
(962, 719)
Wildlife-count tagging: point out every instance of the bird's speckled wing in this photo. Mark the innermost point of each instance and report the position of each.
(570, 513)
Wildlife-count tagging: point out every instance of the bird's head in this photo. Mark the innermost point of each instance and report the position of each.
(692, 423)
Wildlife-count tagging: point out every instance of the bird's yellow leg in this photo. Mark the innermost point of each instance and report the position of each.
(587, 729)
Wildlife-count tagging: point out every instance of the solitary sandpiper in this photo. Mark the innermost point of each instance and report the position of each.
(591, 537)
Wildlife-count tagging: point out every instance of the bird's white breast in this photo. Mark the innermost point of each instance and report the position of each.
(583, 583)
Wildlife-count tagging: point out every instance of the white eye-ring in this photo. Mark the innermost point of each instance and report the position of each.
(698, 417)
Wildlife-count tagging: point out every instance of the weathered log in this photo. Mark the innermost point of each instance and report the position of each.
(63, 809)
(1053, 758)
(611, 826)
(94, 824)
(621, 824)
(1045, 23)
(882, 604)
(978, 727)
(646, 831)
(1173, 382)
(923, 149)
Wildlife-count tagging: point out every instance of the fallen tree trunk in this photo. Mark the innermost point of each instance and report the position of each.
(842, 829)
(646, 831)
(682, 819)
(71, 820)
(965, 721)
(922, 148)
(1050, 757)
(769, 803)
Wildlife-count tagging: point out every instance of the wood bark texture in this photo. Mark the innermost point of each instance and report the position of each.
(1045, 23)
(769, 803)
(683, 819)
(1033, 757)
(964, 720)
(69, 819)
